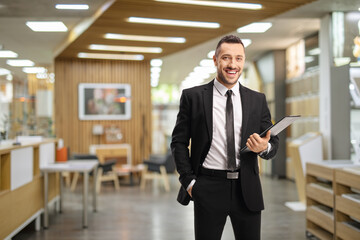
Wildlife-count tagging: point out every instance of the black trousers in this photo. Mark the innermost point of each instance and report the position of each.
(216, 198)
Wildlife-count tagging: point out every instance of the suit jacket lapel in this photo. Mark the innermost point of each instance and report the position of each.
(207, 95)
(245, 104)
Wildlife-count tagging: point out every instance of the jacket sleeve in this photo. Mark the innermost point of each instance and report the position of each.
(266, 123)
(180, 141)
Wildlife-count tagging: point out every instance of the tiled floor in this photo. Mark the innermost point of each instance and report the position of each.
(153, 214)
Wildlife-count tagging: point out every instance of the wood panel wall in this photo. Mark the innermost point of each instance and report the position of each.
(77, 134)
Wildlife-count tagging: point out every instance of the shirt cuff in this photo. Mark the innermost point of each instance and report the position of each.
(266, 151)
(191, 184)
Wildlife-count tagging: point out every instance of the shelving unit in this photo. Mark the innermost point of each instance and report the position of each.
(333, 200)
(320, 200)
(302, 98)
(347, 203)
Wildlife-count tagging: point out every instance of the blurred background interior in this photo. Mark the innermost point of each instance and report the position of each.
(102, 79)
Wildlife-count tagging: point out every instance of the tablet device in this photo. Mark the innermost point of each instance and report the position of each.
(276, 128)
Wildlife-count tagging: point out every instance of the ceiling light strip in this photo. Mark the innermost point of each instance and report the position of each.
(20, 63)
(173, 22)
(238, 5)
(125, 48)
(256, 27)
(47, 26)
(144, 38)
(8, 54)
(4, 71)
(72, 6)
(137, 57)
(34, 70)
(156, 62)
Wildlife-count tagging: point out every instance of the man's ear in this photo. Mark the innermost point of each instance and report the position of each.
(215, 61)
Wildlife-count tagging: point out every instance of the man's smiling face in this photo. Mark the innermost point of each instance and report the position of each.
(229, 63)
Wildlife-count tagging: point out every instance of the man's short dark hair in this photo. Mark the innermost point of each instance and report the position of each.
(228, 39)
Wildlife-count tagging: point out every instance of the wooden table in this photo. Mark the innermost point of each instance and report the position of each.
(127, 170)
(79, 166)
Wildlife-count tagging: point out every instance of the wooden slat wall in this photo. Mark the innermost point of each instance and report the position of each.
(78, 134)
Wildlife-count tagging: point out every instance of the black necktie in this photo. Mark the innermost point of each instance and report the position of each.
(230, 138)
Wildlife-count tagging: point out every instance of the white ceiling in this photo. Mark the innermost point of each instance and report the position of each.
(40, 47)
(287, 29)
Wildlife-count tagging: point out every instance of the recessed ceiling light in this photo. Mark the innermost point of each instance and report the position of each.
(246, 42)
(4, 71)
(155, 69)
(34, 70)
(239, 5)
(173, 22)
(72, 6)
(137, 57)
(20, 63)
(156, 62)
(211, 54)
(47, 26)
(125, 48)
(207, 63)
(154, 82)
(155, 75)
(8, 54)
(257, 27)
(144, 38)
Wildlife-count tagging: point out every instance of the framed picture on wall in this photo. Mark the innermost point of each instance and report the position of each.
(99, 101)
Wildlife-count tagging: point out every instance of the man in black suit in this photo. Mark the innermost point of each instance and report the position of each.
(215, 124)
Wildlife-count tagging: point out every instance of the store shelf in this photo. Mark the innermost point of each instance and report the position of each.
(322, 218)
(302, 98)
(321, 193)
(347, 203)
(348, 206)
(346, 231)
(321, 171)
(319, 233)
(320, 200)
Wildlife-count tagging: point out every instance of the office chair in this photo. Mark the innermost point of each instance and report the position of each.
(105, 172)
(158, 167)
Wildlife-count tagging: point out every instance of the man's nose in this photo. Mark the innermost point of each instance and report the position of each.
(232, 63)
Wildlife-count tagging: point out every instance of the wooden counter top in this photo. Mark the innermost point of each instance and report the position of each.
(6, 147)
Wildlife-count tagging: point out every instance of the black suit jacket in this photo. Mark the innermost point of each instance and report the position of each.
(194, 127)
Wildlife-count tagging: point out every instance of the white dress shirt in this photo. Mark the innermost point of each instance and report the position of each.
(217, 155)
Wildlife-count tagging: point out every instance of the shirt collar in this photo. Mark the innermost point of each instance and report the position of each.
(222, 89)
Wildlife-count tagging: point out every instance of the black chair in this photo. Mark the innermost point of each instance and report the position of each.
(104, 169)
(158, 166)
